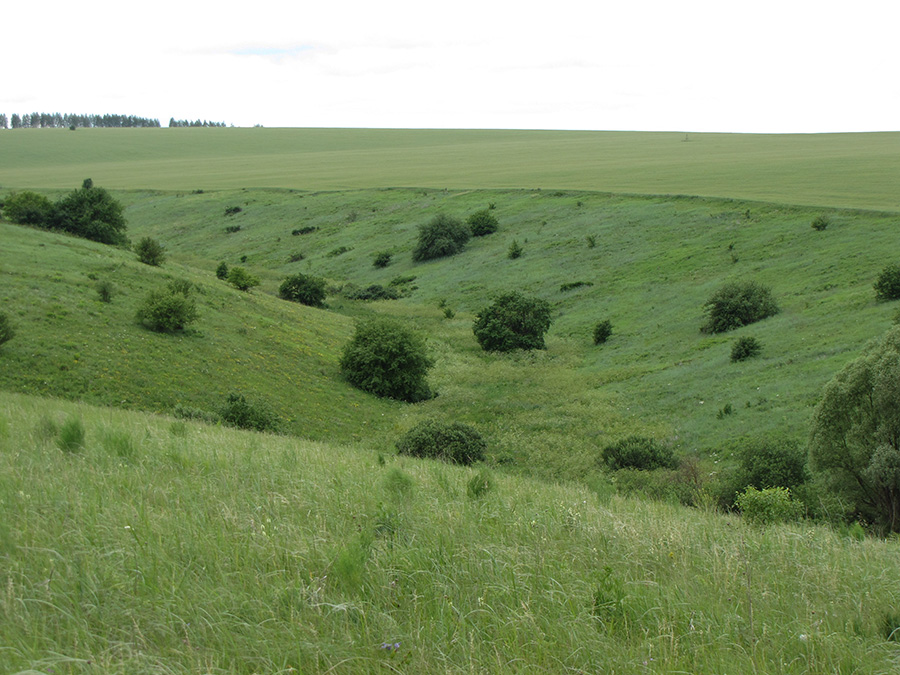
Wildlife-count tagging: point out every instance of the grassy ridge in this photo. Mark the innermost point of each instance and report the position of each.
(162, 546)
(838, 170)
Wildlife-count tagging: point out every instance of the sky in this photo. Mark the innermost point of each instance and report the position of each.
(757, 66)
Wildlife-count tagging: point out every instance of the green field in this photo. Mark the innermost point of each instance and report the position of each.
(836, 170)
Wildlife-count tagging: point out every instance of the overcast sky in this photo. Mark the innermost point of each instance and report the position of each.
(695, 65)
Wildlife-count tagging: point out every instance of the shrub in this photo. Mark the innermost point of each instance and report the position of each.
(764, 463)
(854, 440)
(820, 223)
(241, 279)
(184, 412)
(231, 229)
(7, 332)
(105, 291)
(304, 289)
(150, 252)
(387, 359)
(770, 505)
(745, 348)
(373, 292)
(442, 236)
(382, 259)
(340, 250)
(27, 208)
(238, 412)
(232, 210)
(515, 250)
(738, 304)
(887, 287)
(513, 321)
(92, 213)
(482, 223)
(602, 331)
(304, 230)
(638, 452)
(167, 311)
(572, 285)
(222, 271)
(453, 442)
(297, 256)
(71, 436)
(480, 485)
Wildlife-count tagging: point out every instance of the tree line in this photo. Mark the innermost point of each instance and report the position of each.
(38, 120)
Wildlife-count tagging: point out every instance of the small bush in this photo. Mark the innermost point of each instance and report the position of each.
(887, 287)
(402, 281)
(71, 436)
(304, 289)
(591, 241)
(105, 291)
(167, 311)
(572, 285)
(295, 257)
(222, 271)
(231, 229)
(7, 332)
(745, 348)
(184, 412)
(241, 279)
(442, 236)
(738, 304)
(515, 250)
(387, 359)
(513, 321)
(602, 331)
(382, 259)
(820, 223)
(482, 223)
(232, 210)
(480, 485)
(150, 252)
(452, 442)
(340, 250)
(767, 506)
(638, 452)
(238, 412)
(304, 230)
(373, 292)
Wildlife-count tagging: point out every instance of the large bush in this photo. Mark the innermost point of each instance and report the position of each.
(304, 289)
(637, 452)
(166, 311)
(453, 442)
(855, 435)
(737, 304)
(92, 213)
(387, 359)
(27, 208)
(887, 287)
(513, 321)
(443, 235)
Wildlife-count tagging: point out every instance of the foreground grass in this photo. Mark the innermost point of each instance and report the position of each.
(835, 170)
(165, 547)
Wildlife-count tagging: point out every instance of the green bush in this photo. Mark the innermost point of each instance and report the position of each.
(71, 436)
(241, 279)
(638, 452)
(222, 271)
(185, 412)
(513, 321)
(887, 287)
(307, 290)
(105, 290)
(7, 332)
(442, 236)
(238, 412)
(515, 250)
(745, 348)
(167, 311)
(820, 223)
(737, 304)
(92, 213)
(482, 223)
(453, 442)
(387, 359)
(481, 484)
(150, 252)
(770, 505)
(27, 208)
(764, 463)
(373, 292)
(382, 259)
(602, 331)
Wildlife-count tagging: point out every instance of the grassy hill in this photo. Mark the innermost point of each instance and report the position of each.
(836, 170)
(166, 547)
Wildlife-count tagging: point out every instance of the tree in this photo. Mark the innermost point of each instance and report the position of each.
(28, 208)
(303, 289)
(92, 213)
(387, 359)
(737, 304)
(443, 235)
(513, 321)
(150, 252)
(855, 436)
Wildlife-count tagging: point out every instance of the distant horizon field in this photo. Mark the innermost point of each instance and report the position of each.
(843, 170)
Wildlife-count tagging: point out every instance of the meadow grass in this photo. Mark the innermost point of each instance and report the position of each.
(835, 170)
(172, 547)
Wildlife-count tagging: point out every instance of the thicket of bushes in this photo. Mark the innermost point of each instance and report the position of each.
(305, 289)
(451, 441)
(442, 236)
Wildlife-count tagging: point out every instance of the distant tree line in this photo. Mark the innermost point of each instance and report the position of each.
(196, 123)
(38, 120)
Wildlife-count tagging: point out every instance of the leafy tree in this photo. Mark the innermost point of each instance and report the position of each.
(443, 235)
(482, 223)
(7, 332)
(304, 289)
(387, 359)
(887, 287)
(737, 304)
(241, 279)
(150, 252)
(27, 208)
(855, 436)
(513, 321)
(453, 442)
(92, 213)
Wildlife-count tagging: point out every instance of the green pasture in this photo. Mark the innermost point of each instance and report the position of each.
(834, 170)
